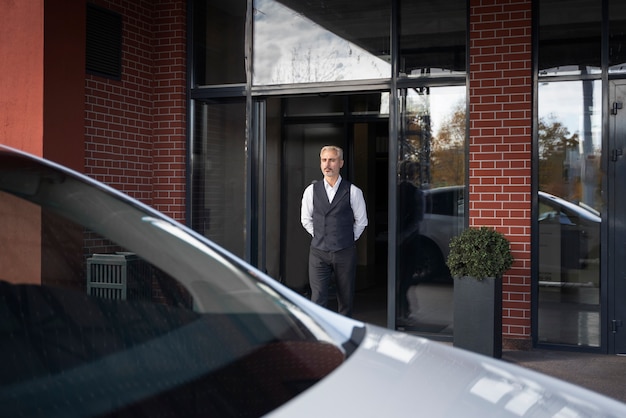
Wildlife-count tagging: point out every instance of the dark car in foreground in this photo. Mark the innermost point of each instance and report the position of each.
(109, 308)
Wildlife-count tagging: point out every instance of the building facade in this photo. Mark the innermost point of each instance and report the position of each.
(503, 113)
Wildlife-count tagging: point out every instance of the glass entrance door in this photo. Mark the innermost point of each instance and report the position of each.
(570, 200)
(358, 124)
(430, 184)
(617, 219)
(431, 151)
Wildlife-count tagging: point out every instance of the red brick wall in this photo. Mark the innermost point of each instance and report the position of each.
(135, 127)
(500, 144)
(169, 112)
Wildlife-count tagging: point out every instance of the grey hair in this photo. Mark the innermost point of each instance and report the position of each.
(335, 148)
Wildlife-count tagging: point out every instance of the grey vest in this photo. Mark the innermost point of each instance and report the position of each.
(333, 223)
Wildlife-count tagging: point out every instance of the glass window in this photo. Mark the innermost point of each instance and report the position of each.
(569, 37)
(431, 190)
(305, 42)
(432, 37)
(570, 200)
(219, 42)
(617, 36)
(219, 173)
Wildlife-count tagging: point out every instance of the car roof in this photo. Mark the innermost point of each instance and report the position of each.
(580, 211)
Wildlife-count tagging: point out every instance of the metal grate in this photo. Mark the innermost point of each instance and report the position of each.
(104, 42)
(122, 276)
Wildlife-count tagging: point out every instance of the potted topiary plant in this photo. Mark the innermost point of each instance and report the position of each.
(477, 260)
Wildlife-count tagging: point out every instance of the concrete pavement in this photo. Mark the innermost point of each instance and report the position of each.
(602, 373)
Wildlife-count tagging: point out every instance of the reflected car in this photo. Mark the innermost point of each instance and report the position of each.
(569, 236)
(569, 243)
(443, 218)
(110, 308)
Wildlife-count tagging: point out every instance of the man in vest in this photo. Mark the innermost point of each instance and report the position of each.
(333, 212)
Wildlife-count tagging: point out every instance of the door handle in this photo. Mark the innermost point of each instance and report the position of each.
(615, 323)
(616, 106)
(616, 153)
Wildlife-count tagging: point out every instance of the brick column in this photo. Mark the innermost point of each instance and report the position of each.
(169, 112)
(501, 145)
(135, 127)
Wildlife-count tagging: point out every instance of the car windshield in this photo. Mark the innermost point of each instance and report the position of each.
(104, 299)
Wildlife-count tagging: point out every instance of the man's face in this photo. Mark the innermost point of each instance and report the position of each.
(330, 164)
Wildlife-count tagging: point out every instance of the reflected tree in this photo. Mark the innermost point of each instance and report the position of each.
(305, 67)
(559, 158)
(334, 63)
(448, 150)
(416, 135)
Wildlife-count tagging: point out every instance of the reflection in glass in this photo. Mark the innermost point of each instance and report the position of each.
(298, 42)
(617, 36)
(431, 178)
(432, 38)
(569, 212)
(570, 37)
(218, 173)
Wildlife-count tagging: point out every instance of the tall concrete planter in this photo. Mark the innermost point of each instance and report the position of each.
(478, 315)
(478, 257)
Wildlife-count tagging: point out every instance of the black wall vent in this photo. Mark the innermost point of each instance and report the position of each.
(104, 42)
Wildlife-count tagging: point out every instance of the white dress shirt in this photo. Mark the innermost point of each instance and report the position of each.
(357, 202)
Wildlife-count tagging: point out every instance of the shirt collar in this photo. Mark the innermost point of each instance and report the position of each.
(328, 186)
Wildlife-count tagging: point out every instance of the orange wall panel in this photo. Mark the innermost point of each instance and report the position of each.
(21, 66)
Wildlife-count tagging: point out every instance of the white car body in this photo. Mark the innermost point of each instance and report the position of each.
(171, 359)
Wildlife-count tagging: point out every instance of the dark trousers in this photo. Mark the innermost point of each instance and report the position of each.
(322, 266)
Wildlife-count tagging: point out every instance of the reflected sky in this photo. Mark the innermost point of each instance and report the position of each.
(564, 100)
(440, 103)
(290, 48)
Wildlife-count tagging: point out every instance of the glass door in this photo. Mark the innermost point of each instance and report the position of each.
(617, 218)
(431, 161)
(297, 129)
(303, 142)
(430, 185)
(570, 202)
